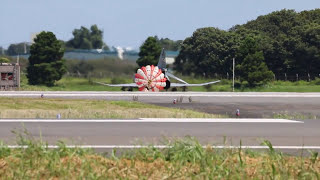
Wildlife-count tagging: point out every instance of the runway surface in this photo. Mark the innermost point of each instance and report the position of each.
(250, 104)
(110, 133)
(104, 133)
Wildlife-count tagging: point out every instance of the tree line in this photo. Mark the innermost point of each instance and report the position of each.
(83, 38)
(282, 42)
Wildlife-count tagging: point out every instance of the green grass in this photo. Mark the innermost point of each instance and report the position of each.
(293, 116)
(185, 159)
(88, 84)
(73, 108)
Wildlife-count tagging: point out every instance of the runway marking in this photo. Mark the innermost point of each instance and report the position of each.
(152, 120)
(161, 147)
(222, 120)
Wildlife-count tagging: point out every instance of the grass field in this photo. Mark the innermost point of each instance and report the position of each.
(88, 84)
(185, 159)
(69, 108)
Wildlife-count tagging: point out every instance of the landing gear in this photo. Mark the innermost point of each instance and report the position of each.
(184, 88)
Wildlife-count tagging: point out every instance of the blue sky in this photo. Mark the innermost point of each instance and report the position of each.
(129, 22)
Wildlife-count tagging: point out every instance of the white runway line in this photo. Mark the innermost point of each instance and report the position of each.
(221, 120)
(151, 120)
(163, 147)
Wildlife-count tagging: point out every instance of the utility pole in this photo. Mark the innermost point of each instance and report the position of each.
(233, 75)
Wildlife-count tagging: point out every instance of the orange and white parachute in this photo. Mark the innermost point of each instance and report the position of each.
(150, 78)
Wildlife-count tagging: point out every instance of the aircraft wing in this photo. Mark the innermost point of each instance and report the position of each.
(119, 85)
(187, 85)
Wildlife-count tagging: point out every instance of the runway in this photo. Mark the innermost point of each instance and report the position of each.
(304, 132)
(250, 104)
(218, 132)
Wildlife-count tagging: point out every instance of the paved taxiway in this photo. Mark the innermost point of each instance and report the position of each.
(145, 131)
(251, 104)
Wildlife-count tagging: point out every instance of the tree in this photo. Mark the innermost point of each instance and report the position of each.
(20, 48)
(96, 37)
(45, 62)
(207, 52)
(149, 52)
(288, 36)
(2, 51)
(169, 44)
(253, 68)
(4, 60)
(305, 48)
(84, 38)
(289, 42)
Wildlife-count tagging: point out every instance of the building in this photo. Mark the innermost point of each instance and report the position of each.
(10, 76)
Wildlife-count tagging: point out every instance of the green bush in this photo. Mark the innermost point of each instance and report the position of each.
(118, 80)
(297, 83)
(4, 60)
(316, 81)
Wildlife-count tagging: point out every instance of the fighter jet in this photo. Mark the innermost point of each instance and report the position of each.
(155, 78)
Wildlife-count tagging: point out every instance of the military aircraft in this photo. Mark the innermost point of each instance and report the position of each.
(155, 78)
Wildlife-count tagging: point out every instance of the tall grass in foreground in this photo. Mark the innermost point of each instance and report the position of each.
(185, 159)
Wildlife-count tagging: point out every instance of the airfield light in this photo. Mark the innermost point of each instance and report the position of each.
(238, 113)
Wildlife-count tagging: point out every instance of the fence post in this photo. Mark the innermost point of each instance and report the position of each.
(297, 77)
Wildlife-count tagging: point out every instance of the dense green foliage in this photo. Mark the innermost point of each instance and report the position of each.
(20, 48)
(289, 42)
(87, 39)
(4, 60)
(45, 62)
(253, 68)
(168, 44)
(293, 39)
(207, 52)
(149, 52)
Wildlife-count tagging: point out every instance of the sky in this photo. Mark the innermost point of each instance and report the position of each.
(127, 23)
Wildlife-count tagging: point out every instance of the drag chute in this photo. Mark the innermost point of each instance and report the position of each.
(150, 78)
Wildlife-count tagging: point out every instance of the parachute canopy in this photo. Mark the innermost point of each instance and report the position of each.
(150, 78)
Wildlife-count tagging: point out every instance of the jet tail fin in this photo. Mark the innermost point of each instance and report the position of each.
(162, 60)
